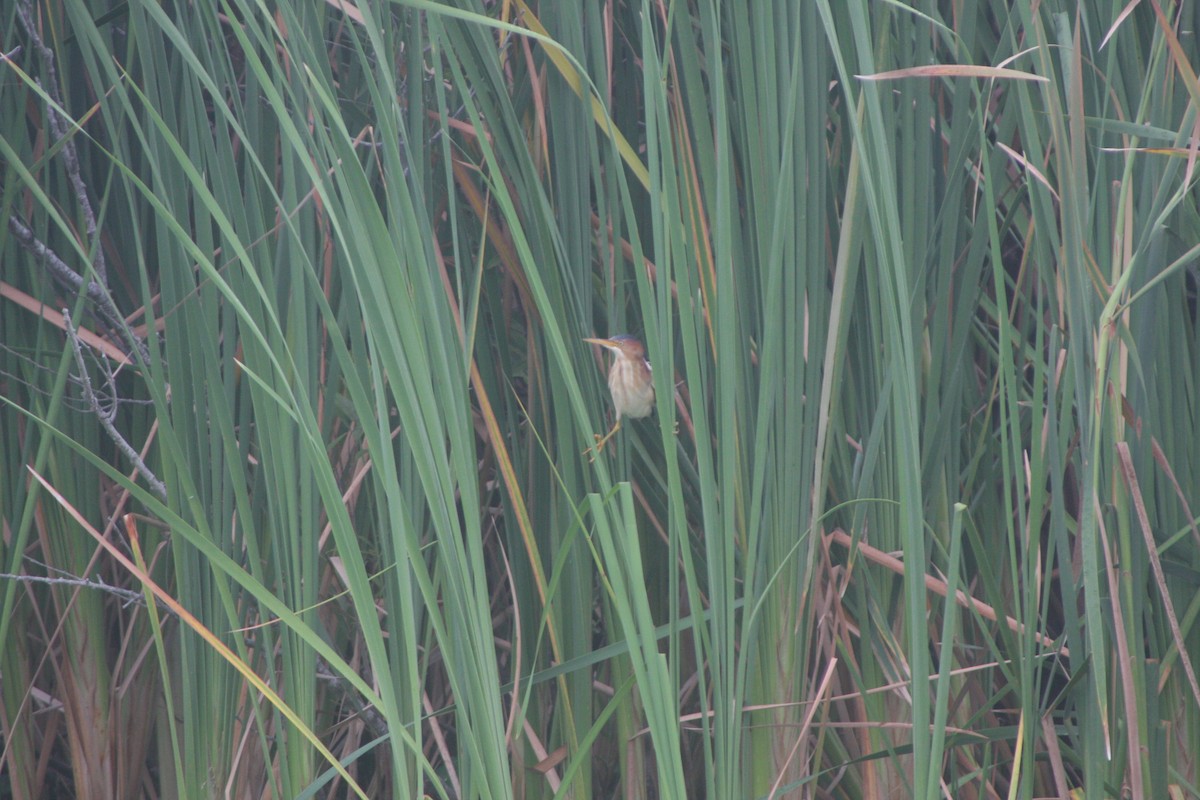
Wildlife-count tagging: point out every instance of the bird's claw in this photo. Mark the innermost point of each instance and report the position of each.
(594, 451)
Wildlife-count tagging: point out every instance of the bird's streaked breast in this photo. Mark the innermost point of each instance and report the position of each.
(633, 397)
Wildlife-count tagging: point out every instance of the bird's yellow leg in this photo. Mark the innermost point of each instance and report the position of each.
(595, 449)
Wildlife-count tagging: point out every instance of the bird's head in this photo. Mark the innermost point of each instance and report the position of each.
(622, 345)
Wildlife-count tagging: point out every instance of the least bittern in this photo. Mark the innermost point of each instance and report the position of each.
(629, 380)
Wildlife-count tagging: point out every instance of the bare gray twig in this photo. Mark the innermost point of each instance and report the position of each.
(105, 309)
(62, 129)
(129, 595)
(106, 418)
(59, 131)
(371, 717)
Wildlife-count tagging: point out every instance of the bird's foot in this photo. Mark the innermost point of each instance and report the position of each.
(594, 451)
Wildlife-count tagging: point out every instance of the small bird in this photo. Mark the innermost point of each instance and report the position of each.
(630, 381)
